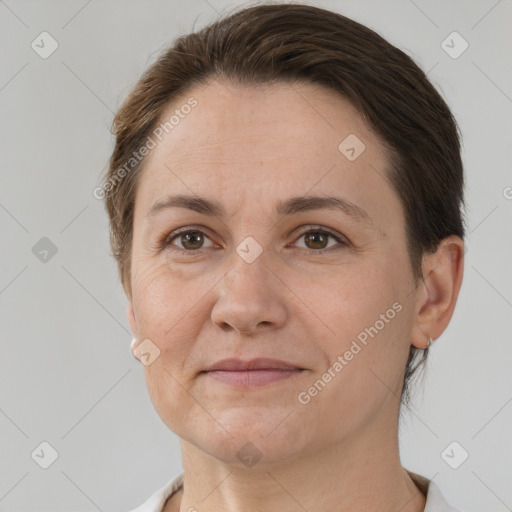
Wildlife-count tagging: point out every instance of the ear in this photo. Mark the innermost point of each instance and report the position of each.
(131, 319)
(436, 294)
(133, 325)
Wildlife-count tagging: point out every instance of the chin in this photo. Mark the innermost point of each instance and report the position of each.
(248, 437)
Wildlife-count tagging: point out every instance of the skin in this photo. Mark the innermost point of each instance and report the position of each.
(249, 148)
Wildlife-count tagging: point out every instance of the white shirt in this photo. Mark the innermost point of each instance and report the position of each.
(435, 501)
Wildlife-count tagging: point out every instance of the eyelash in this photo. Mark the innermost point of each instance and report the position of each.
(165, 241)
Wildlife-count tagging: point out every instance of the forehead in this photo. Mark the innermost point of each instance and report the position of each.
(281, 139)
(230, 117)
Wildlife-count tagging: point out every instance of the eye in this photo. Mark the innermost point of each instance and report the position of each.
(190, 239)
(317, 238)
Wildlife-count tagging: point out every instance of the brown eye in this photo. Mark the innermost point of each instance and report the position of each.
(316, 240)
(190, 240)
(193, 240)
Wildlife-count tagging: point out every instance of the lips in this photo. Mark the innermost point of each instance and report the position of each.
(253, 373)
(260, 363)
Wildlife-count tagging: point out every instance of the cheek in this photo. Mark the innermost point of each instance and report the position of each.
(168, 310)
(165, 303)
(343, 300)
(364, 322)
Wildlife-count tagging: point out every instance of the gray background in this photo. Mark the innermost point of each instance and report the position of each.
(66, 373)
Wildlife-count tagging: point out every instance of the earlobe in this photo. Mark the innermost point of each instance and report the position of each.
(131, 319)
(133, 349)
(437, 293)
(133, 325)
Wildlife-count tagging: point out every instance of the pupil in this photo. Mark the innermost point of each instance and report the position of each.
(189, 238)
(313, 237)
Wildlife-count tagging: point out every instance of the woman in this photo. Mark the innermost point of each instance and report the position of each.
(285, 199)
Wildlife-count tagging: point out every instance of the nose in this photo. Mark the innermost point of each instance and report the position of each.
(250, 295)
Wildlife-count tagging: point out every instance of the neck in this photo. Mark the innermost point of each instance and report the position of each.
(361, 473)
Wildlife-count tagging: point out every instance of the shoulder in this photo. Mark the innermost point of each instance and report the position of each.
(436, 502)
(156, 502)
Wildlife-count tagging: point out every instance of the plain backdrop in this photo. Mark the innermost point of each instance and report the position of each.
(66, 374)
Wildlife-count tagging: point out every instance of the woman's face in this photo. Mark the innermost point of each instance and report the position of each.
(327, 289)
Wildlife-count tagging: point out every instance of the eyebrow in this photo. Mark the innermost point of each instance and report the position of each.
(285, 208)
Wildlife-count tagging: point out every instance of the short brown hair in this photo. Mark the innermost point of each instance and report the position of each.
(292, 42)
